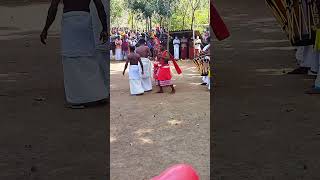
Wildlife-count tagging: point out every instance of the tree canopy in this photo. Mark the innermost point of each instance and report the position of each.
(183, 14)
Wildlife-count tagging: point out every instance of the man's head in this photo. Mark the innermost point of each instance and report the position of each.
(176, 37)
(198, 37)
(141, 42)
(132, 48)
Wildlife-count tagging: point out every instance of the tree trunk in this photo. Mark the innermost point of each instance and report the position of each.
(132, 18)
(183, 21)
(150, 21)
(192, 20)
(146, 23)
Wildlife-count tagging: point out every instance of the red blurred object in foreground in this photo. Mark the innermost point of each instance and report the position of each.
(218, 26)
(178, 172)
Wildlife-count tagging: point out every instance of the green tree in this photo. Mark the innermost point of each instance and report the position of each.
(116, 12)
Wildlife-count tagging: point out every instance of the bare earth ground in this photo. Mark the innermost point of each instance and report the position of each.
(152, 132)
(41, 139)
(265, 127)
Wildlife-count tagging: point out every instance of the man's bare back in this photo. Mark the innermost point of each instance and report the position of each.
(133, 58)
(143, 51)
(80, 5)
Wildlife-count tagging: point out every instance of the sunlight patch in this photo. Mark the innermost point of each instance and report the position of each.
(146, 140)
(174, 122)
(273, 71)
(141, 132)
(288, 48)
(112, 139)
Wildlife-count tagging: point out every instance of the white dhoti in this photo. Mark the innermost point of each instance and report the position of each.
(310, 58)
(176, 52)
(317, 81)
(111, 54)
(118, 54)
(299, 56)
(135, 80)
(101, 49)
(146, 77)
(84, 68)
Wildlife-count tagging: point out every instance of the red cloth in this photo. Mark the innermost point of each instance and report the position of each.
(184, 53)
(197, 53)
(218, 26)
(178, 172)
(125, 46)
(191, 53)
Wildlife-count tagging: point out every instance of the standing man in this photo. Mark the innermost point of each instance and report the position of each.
(184, 48)
(176, 46)
(134, 72)
(125, 47)
(84, 79)
(144, 52)
(197, 46)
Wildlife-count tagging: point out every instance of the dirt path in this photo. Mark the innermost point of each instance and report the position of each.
(149, 133)
(39, 137)
(265, 126)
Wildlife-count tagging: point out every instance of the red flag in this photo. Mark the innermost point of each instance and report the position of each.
(218, 26)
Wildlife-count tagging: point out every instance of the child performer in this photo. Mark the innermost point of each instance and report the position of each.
(162, 70)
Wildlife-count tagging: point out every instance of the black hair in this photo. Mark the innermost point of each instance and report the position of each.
(141, 42)
(132, 48)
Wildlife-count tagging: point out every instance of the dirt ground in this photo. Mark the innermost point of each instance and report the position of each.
(152, 132)
(265, 127)
(39, 137)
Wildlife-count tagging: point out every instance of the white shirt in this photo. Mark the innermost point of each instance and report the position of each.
(197, 44)
(176, 42)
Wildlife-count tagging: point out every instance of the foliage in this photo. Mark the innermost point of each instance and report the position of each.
(181, 13)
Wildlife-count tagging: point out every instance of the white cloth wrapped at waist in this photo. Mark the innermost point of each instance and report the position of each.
(77, 34)
(146, 66)
(134, 72)
(97, 26)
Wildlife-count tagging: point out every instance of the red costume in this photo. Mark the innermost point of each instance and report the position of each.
(162, 72)
(184, 48)
(191, 50)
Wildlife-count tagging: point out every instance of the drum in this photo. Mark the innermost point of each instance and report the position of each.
(298, 19)
(301, 16)
(203, 64)
(279, 11)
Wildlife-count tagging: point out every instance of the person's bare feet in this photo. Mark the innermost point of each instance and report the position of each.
(173, 91)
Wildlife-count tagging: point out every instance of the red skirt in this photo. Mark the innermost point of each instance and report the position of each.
(164, 73)
(184, 53)
(191, 53)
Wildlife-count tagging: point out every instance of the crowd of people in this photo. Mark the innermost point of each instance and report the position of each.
(148, 56)
(122, 38)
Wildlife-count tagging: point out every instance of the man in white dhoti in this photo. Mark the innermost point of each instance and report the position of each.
(307, 61)
(145, 53)
(84, 71)
(176, 46)
(134, 72)
(316, 88)
(197, 46)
